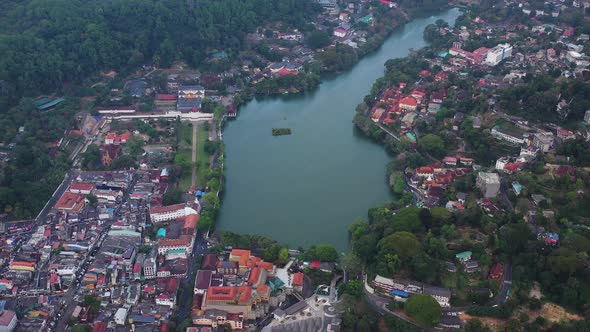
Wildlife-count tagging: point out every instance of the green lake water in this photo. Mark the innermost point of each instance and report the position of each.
(306, 188)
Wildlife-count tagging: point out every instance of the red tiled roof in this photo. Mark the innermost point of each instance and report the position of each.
(99, 327)
(410, 101)
(165, 97)
(240, 294)
(298, 279)
(496, 271)
(424, 170)
(81, 186)
(254, 275)
(191, 221)
(243, 254)
(315, 265)
(70, 202)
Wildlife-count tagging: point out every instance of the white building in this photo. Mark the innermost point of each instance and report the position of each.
(166, 300)
(498, 53)
(66, 270)
(170, 212)
(543, 141)
(587, 117)
(8, 320)
(121, 316)
(149, 268)
(507, 136)
(488, 183)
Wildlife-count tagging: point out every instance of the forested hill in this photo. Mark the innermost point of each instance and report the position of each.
(45, 43)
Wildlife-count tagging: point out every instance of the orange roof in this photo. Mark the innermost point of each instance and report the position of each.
(410, 101)
(262, 289)
(298, 279)
(191, 221)
(254, 275)
(70, 202)
(240, 294)
(81, 186)
(425, 169)
(266, 265)
(19, 263)
(243, 254)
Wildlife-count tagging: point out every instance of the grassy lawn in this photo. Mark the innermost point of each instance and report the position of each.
(185, 138)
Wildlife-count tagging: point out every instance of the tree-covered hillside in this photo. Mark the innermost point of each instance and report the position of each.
(46, 43)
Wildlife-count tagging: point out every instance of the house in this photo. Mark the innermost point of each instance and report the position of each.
(488, 183)
(496, 272)
(298, 281)
(408, 103)
(425, 171)
(450, 161)
(464, 256)
(441, 295)
(166, 299)
(565, 134)
(471, 266)
(341, 33)
(114, 138)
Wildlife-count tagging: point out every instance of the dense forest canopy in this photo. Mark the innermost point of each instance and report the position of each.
(46, 43)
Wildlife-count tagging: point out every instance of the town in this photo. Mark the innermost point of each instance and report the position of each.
(488, 230)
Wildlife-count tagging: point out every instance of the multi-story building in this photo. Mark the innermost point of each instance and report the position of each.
(488, 183)
(8, 320)
(149, 268)
(170, 212)
(498, 53)
(587, 117)
(508, 136)
(543, 141)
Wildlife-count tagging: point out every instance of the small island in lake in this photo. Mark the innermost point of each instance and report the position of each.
(281, 131)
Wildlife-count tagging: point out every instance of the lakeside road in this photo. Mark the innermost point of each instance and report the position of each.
(315, 182)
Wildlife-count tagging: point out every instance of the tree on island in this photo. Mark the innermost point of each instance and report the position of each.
(424, 309)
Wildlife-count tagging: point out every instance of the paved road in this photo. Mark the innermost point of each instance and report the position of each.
(72, 174)
(504, 292)
(378, 303)
(194, 157)
(199, 249)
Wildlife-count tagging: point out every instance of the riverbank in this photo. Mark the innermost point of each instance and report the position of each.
(305, 189)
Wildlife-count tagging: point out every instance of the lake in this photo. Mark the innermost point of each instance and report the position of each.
(306, 188)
